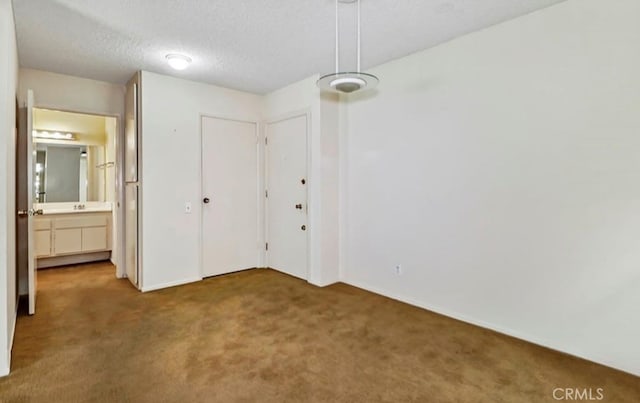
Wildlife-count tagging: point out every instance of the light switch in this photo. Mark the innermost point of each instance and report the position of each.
(187, 207)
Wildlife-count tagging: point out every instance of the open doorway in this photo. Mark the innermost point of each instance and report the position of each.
(74, 187)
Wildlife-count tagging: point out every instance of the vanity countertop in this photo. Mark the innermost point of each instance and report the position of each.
(72, 208)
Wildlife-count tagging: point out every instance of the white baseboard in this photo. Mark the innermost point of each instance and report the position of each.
(4, 369)
(120, 273)
(322, 283)
(170, 284)
(486, 325)
(13, 331)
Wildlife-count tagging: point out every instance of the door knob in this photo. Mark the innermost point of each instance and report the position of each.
(304, 228)
(206, 200)
(299, 206)
(30, 212)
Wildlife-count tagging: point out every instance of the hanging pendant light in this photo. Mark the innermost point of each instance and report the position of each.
(347, 82)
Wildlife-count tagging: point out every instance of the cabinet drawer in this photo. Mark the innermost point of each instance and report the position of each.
(79, 222)
(41, 224)
(94, 239)
(68, 241)
(42, 241)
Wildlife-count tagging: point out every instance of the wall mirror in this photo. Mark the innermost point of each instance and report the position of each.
(69, 173)
(74, 157)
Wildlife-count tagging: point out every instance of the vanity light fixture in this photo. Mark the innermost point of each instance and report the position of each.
(178, 61)
(347, 82)
(43, 134)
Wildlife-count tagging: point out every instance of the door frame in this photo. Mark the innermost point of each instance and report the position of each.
(119, 262)
(259, 179)
(311, 233)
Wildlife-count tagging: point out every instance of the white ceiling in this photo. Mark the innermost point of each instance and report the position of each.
(250, 45)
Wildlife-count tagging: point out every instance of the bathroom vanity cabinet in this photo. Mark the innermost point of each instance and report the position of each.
(72, 238)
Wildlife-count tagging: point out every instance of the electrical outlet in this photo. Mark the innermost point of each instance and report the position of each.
(398, 270)
(187, 207)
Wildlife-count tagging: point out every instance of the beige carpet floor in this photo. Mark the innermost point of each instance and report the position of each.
(261, 336)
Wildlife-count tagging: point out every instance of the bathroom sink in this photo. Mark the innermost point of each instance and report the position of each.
(64, 208)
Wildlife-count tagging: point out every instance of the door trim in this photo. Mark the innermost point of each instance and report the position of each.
(306, 113)
(259, 180)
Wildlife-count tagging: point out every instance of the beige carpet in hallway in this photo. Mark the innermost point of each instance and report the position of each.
(261, 336)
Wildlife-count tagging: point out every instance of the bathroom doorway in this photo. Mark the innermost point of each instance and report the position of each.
(74, 188)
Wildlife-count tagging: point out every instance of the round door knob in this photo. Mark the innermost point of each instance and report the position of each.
(206, 200)
(304, 228)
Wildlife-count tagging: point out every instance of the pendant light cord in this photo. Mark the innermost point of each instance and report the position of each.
(338, 38)
(337, 41)
(358, 69)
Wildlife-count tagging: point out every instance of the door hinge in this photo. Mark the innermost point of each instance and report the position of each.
(266, 194)
(266, 246)
(266, 142)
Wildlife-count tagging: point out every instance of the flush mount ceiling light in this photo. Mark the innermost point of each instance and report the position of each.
(177, 61)
(347, 82)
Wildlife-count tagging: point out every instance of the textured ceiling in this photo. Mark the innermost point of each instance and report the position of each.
(251, 45)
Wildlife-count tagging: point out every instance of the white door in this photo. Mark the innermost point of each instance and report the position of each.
(286, 155)
(31, 211)
(229, 196)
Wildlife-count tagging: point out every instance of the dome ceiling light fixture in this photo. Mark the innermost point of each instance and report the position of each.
(347, 82)
(177, 61)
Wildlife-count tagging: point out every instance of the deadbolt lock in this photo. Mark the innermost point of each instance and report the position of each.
(299, 206)
(304, 228)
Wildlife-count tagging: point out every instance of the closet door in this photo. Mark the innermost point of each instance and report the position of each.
(229, 196)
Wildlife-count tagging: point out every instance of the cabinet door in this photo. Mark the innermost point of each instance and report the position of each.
(68, 240)
(43, 243)
(94, 238)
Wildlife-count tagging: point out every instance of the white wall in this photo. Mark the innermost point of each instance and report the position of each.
(326, 160)
(8, 86)
(304, 97)
(75, 94)
(111, 135)
(171, 111)
(502, 171)
(110, 155)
